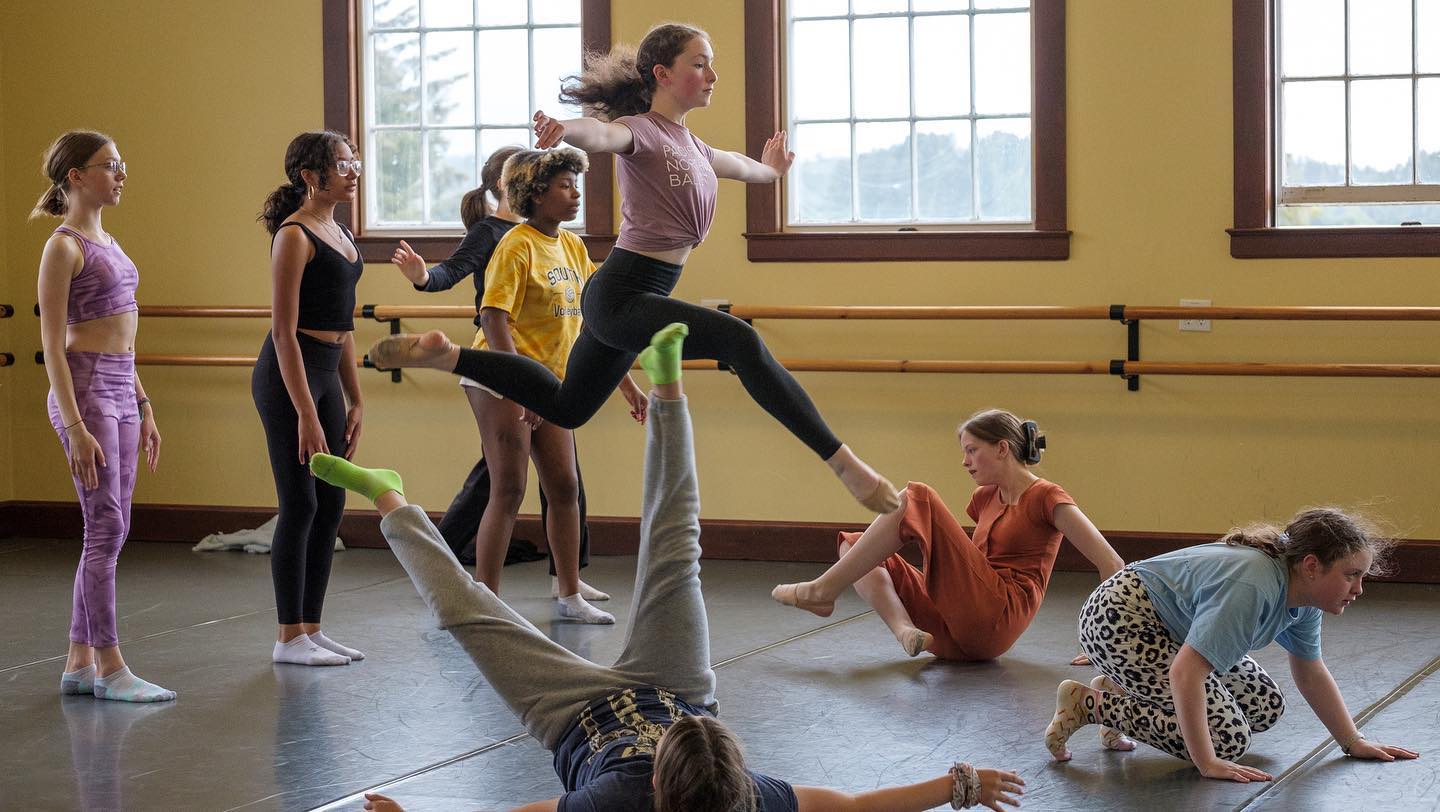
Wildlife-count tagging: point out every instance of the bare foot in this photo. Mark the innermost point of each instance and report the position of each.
(1109, 736)
(915, 641)
(864, 483)
(802, 596)
(432, 349)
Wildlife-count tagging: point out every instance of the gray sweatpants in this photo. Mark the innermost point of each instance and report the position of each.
(668, 642)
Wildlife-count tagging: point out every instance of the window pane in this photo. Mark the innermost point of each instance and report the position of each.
(1002, 4)
(1313, 135)
(550, 12)
(820, 70)
(1381, 141)
(503, 12)
(1429, 130)
(493, 139)
(1349, 215)
(818, 8)
(503, 98)
(1002, 63)
(395, 14)
(1312, 38)
(397, 78)
(1428, 27)
(448, 13)
(882, 87)
(884, 170)
(450, 78)
(556, 55)
(939, 5)
(943, 162)
(1003, 151)
(397, 156)
(942, 66)
(1380, 36)
(877, 7)
(820, 191)
(452, 172)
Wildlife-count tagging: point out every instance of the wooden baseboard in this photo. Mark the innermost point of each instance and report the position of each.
(1416, 560)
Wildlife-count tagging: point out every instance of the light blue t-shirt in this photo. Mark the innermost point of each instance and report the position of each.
(1226, 601)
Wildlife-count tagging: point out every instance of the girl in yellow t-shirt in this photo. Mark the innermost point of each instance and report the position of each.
(532, 307)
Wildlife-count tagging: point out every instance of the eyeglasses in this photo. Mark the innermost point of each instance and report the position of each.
(349, 167)
(112, 166)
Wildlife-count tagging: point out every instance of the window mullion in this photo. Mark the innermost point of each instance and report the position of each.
(914, 136)
(1349, 179)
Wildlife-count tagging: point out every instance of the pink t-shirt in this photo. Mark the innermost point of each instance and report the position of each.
(667, 187)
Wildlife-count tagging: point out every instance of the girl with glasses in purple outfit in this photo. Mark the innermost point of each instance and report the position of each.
(88, 320)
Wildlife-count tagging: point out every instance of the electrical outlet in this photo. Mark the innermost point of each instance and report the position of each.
(1194, 325)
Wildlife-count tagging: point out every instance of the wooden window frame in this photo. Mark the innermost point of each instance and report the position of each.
(1047, 238)
(340, 33)
(1255, 235)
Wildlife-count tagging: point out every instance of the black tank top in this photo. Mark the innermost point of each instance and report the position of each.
(327, 285)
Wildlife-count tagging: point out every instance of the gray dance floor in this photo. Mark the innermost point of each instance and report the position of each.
(831, 702)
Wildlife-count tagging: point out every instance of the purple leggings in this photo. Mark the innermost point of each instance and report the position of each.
(105, 393)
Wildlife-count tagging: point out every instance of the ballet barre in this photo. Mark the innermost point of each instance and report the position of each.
(1129, 369)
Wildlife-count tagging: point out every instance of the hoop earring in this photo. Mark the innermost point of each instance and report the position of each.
(311, 192)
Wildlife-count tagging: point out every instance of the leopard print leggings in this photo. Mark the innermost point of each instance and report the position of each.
(1125, 639)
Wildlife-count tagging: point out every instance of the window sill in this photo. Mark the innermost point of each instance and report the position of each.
(911, 246)
(1368, 241)
(436, 247)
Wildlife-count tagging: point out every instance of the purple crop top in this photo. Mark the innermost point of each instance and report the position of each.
(106, 283)
(667, 187)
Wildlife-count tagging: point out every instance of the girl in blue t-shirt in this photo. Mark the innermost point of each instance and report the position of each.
(1170, 636)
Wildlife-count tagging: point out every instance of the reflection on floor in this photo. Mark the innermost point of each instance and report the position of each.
(831, 702)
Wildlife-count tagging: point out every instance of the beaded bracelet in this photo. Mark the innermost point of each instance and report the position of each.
(964, 787)
(141, 402)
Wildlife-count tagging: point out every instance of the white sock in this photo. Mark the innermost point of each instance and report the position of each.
(124, 686)
(319, 639)
(587, 592)
(575, 608)
(302, 651)
(81, 681)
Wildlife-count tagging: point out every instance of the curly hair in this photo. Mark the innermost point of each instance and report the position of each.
(314, 151)
(528, 174)
(621, 82)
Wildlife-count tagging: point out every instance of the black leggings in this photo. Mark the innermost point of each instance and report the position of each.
(624, 304)
(310, 510)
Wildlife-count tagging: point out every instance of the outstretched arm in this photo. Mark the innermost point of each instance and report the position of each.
(1078, 528)
(996, 787)
(589, 134)
(1323, 695)
(775, 161)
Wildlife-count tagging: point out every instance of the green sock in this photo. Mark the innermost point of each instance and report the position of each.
(368, 482)
(661, 360)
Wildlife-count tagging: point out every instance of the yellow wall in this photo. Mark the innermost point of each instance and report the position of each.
(9, 294)
(202, 99)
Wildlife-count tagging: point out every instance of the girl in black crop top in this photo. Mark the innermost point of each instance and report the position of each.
(305, 384)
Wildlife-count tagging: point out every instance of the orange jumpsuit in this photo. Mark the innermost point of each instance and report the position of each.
(976, 597)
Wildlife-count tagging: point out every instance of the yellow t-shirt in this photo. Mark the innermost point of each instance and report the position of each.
(537, 280)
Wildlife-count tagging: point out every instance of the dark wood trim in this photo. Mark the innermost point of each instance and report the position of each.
(766, 237)
(1255, 235)
(916, 246)
(339, 37)
(1416, 560)
(1273, 243)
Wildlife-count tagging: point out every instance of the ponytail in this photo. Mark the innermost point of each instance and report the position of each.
(622, 81)
(475, 205)
(1327, 533)
(314, 151)
(72, 150)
